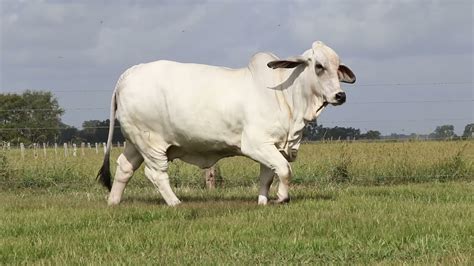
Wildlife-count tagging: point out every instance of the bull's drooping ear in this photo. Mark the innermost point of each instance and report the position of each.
(345, 74)
(290, 62)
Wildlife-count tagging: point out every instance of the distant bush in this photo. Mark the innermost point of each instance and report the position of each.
(453, 167)
(340, 171)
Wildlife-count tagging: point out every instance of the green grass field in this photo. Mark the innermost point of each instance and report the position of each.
(356, 203)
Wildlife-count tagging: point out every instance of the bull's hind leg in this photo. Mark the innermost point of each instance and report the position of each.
(128, 162)
(156, 166)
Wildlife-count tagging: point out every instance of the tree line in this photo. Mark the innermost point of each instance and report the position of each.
(35, 116)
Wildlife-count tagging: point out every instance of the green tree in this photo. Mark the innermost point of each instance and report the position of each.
(468, 131)
(310, 131)
(67, 134)
(371, 134)
(341, 133)
(33, 116)
(94, 131)
(98, 131)
(443, 132)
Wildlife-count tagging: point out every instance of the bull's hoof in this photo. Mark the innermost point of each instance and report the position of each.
(262, 200)
(281, 201)
(113, 201)
(173, 203)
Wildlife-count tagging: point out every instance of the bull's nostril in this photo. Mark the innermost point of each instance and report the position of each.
(340, 97)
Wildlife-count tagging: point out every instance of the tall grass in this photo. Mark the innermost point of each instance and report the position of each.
(318, 163)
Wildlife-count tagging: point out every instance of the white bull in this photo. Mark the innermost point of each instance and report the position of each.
(200, 114)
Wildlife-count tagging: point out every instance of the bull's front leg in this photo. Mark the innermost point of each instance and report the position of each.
(284, 175)
(269, 156)
(266, 180)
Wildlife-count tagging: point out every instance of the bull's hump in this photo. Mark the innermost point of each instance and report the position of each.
(262, 57)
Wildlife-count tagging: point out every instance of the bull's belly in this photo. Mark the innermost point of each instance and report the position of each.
(202, 157)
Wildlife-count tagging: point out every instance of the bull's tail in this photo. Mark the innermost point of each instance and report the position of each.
(104, 176)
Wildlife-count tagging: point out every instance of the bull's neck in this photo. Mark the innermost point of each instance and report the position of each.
(303, 106)
(301, 101)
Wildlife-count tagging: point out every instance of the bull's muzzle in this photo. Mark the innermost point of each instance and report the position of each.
(340, 98)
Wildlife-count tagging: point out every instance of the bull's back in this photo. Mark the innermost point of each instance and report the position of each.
(189, 105)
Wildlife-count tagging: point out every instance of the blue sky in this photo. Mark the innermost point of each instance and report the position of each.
(77, 49)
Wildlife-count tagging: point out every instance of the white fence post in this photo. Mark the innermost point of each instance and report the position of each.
(35, 152)
(8, 146)
(44, 149)
(124, 144)
(118, 144)
(65, 149)
(96, 148)
(74, 149)
(105, 147)
(55, 149)
(89, 146)
(83, 145)
(22, 150)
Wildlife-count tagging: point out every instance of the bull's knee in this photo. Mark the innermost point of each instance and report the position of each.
(283, 172)
(124, 169)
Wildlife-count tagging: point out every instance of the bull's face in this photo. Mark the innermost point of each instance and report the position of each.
(328, 72)
(323, 73)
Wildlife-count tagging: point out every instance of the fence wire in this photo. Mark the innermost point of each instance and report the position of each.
(395, 84)
(363, 102)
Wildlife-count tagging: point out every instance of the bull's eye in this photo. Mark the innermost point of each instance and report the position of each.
(319, 69)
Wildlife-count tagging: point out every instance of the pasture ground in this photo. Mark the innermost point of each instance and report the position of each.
(361, 203)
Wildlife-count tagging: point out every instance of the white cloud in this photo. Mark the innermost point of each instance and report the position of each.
(144, 32)
(387, 28)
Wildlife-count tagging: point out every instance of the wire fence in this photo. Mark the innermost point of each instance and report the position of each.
(69, 149)
(331, 122)
(382, 85)
(362, 102)
(324, 122)
(455, 84)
